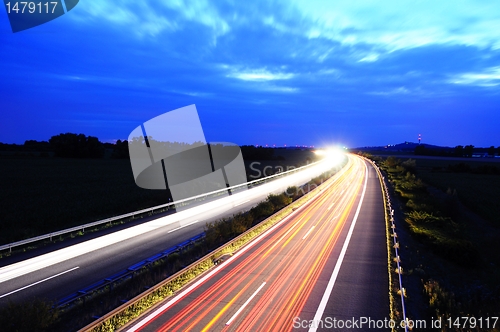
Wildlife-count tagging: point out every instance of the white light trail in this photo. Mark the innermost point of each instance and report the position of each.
(201, 212)
(38, 282)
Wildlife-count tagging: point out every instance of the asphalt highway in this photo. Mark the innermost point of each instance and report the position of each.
(327, 260)
(57, 274)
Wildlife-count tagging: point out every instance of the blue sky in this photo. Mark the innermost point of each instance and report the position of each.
(308, 72)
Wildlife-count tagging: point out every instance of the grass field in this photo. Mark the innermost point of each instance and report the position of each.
(451, 254)
(40, 195)
(479, 192)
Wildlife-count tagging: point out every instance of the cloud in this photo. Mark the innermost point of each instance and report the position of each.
(486, 78)
(372, 57)
(260, 75)
(154, 17)
(281, 89)
(392, 25)
(403, 91)
(343, 59)
(397, 91)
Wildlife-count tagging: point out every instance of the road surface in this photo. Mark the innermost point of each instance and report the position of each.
(57, 274)
(327, 261)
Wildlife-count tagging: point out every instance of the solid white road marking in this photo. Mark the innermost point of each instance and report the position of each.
(331, 283)
(245, 304)
(38, 282)
(186, 291)
(186, 225)
(308, 232)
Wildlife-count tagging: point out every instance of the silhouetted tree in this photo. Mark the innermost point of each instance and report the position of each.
(469, 150)
(491, 151)
(76, 146)
(32, 145)
(251, 152)
(459, 151)
(120, 150)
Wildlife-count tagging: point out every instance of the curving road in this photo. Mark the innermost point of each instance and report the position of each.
(57, 274)
(325, 263)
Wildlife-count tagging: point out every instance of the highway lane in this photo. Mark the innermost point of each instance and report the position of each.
(57, 274)
(361, 286)
(285, 274)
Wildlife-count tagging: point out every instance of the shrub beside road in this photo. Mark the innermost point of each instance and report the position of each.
(454, 253)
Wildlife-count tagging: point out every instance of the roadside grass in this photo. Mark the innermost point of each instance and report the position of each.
(425, 218)
(220, 231)
(479, 192)
(459, 266)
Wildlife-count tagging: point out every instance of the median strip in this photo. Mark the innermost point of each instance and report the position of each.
(123, 315)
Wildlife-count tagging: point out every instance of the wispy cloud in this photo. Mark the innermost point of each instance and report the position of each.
(486, 78)
(396, 91)
(284, 89)
(259, 75)
(395, 24)
(402, 91)
(154, 17)
(355, 58)
(372, 57)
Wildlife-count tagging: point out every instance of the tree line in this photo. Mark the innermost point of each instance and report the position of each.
(70, 145)
(458, 151)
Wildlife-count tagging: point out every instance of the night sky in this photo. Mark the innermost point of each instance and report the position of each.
(353, 73)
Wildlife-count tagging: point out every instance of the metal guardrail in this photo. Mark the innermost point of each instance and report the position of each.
(149, 211)
(396, 243)
(302, 201)
(127, 273)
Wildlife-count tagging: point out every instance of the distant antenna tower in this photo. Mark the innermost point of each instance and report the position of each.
(419, 138)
